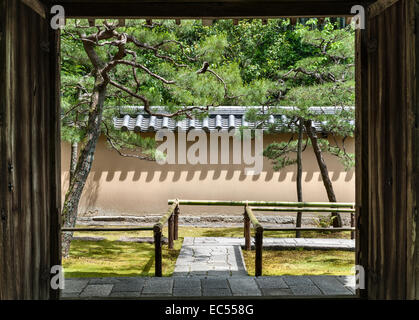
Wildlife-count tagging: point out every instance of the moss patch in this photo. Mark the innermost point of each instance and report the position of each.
(110, 258)
(302, 262)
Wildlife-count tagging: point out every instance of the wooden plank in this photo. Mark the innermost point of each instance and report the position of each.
(3, 156)
(210, 10)
(390, 263)
(54, 150)
(361, 151)
(415, 226)
(379, 6)
(36, 6)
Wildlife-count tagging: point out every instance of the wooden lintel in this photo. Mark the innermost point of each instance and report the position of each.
(379, 6)
(208, 10)
(36, 6)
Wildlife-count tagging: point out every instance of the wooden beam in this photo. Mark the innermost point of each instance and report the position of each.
(210, 10)
(36, 6)
(379, 6)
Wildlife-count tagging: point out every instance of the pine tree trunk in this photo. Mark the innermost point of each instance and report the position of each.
(84, 165)
(299, 173)
(311, 132)
(73, 159)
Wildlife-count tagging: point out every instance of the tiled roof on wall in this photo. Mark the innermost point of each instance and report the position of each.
(134, 118)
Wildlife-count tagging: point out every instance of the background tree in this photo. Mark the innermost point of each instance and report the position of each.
(324, 78)
(137, 63)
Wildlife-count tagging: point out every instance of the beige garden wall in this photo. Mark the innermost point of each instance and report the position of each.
(128, 186)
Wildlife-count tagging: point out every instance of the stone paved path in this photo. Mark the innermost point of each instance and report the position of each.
(175, 287)
(210, 257)
(276, 243)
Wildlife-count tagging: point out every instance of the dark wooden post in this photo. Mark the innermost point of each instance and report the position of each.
(247, 245)
(157, 250)
(352, 225)
(259, 246)
(171, 223)
(176, 222)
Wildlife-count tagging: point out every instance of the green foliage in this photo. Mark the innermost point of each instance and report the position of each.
(323, 77)
(256, 61)
(324, 221)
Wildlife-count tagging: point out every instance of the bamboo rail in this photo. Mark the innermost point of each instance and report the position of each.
(277, 206)
(309, 207)
(309, 229)
(314, 210)
(172, 218)
(350, 205)
(107, 229)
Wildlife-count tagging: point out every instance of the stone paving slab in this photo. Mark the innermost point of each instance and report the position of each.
(96, 290)
(277, 243)
(215, 258)
(207, 286)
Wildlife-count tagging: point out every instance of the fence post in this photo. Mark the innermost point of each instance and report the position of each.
(171, 231)
(259, 247)
(247, 244)
(176, 222)
(157, 250)
(352, 225)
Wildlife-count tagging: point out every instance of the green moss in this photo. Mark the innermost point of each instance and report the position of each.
(302, 262)
(110, 258)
